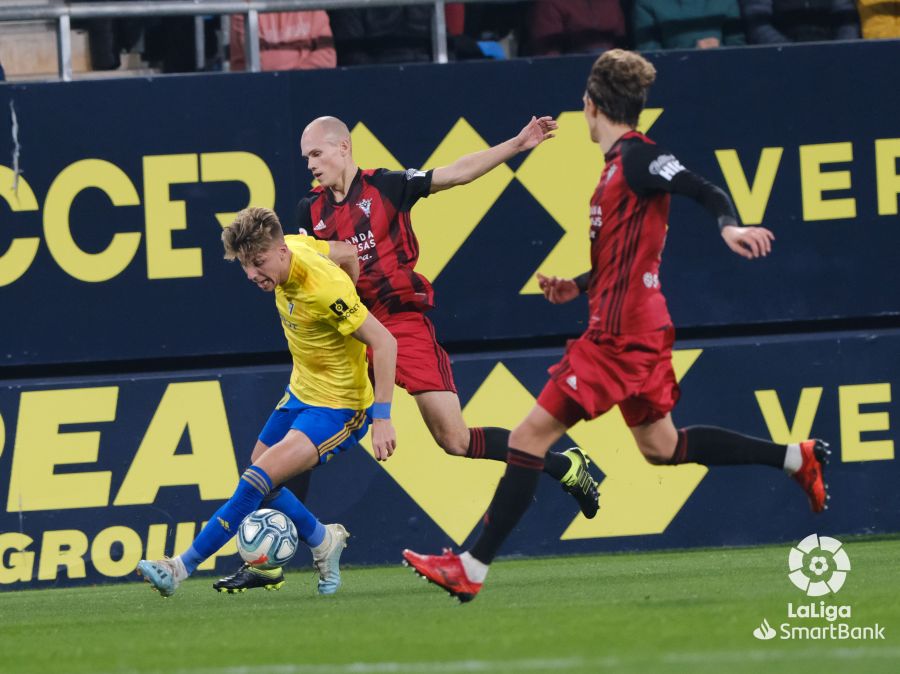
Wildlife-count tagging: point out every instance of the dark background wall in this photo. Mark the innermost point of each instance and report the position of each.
(129, 347)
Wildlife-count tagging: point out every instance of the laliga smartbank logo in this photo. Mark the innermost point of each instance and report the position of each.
(818, 565)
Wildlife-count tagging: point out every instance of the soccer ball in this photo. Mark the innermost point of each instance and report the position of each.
(267, 539)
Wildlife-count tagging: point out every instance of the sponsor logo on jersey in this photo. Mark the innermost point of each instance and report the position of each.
(321, 226)
(366, 206)
(596, 219)
(666, 166)
(651, 280)
(363, 242)
(342, 310)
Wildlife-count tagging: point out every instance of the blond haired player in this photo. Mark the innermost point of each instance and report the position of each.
(328, 406)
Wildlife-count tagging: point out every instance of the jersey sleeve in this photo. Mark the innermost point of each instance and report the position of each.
(648, 169)
(302, 220)
(335, 302)
(319, 245)
(403, 188)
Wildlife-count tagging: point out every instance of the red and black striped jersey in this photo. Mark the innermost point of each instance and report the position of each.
(374, 216)
(628, 221)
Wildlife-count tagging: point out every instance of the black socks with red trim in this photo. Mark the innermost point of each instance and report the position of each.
(493, 443)
(712, 446)
(513, 496)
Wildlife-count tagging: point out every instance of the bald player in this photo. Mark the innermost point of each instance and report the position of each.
(370, 209)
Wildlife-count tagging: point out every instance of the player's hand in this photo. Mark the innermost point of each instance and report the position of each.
(384, 439)
(535, 132)
(748, 242)
(558, 290)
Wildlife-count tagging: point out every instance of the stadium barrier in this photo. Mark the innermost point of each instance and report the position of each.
(111, 221)
(99, 473)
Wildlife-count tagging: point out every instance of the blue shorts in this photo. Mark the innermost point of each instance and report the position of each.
(331, 431)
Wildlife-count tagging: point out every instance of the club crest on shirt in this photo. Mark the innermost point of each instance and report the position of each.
(366, 206)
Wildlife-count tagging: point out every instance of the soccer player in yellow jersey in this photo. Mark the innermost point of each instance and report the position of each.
(327, 408)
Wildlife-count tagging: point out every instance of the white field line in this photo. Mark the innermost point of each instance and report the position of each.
(847, 654)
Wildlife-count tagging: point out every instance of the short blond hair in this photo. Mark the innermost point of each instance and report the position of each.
(252, 231)
(618, 85)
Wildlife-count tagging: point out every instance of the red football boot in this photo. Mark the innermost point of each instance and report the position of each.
(445, 571)
(810, 476)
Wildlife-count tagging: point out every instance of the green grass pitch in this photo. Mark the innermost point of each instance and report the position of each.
(690, 611)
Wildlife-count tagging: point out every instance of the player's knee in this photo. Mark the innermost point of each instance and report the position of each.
(655, 454)
(454, 442)
(258, 450)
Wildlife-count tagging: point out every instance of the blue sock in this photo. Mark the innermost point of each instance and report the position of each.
(310, 530)
(253, 486)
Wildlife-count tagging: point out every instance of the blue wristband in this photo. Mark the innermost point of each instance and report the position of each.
(381, 410)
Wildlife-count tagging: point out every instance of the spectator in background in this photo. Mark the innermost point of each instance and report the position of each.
(287, 41)
(879, 18)
(687, 24)
(777, 21)
(498, 27)
(169, 43)
(382, 34)
(584, 27)
(108, 38)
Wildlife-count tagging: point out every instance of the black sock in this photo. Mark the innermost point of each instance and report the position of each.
(493, 443)
(713, 446)
(512, 498)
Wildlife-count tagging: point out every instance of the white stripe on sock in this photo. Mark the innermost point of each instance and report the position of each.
(475, 570)
(793, 459)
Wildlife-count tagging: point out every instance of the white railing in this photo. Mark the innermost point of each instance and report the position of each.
(63, 14)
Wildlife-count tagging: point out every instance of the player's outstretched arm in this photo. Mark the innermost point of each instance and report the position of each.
(472, 166)
(649, 168)
(748, 242)
(343, 254)
(384, 361)
(559, 290)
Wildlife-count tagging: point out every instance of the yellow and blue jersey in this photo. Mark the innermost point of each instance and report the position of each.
(319, 310)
